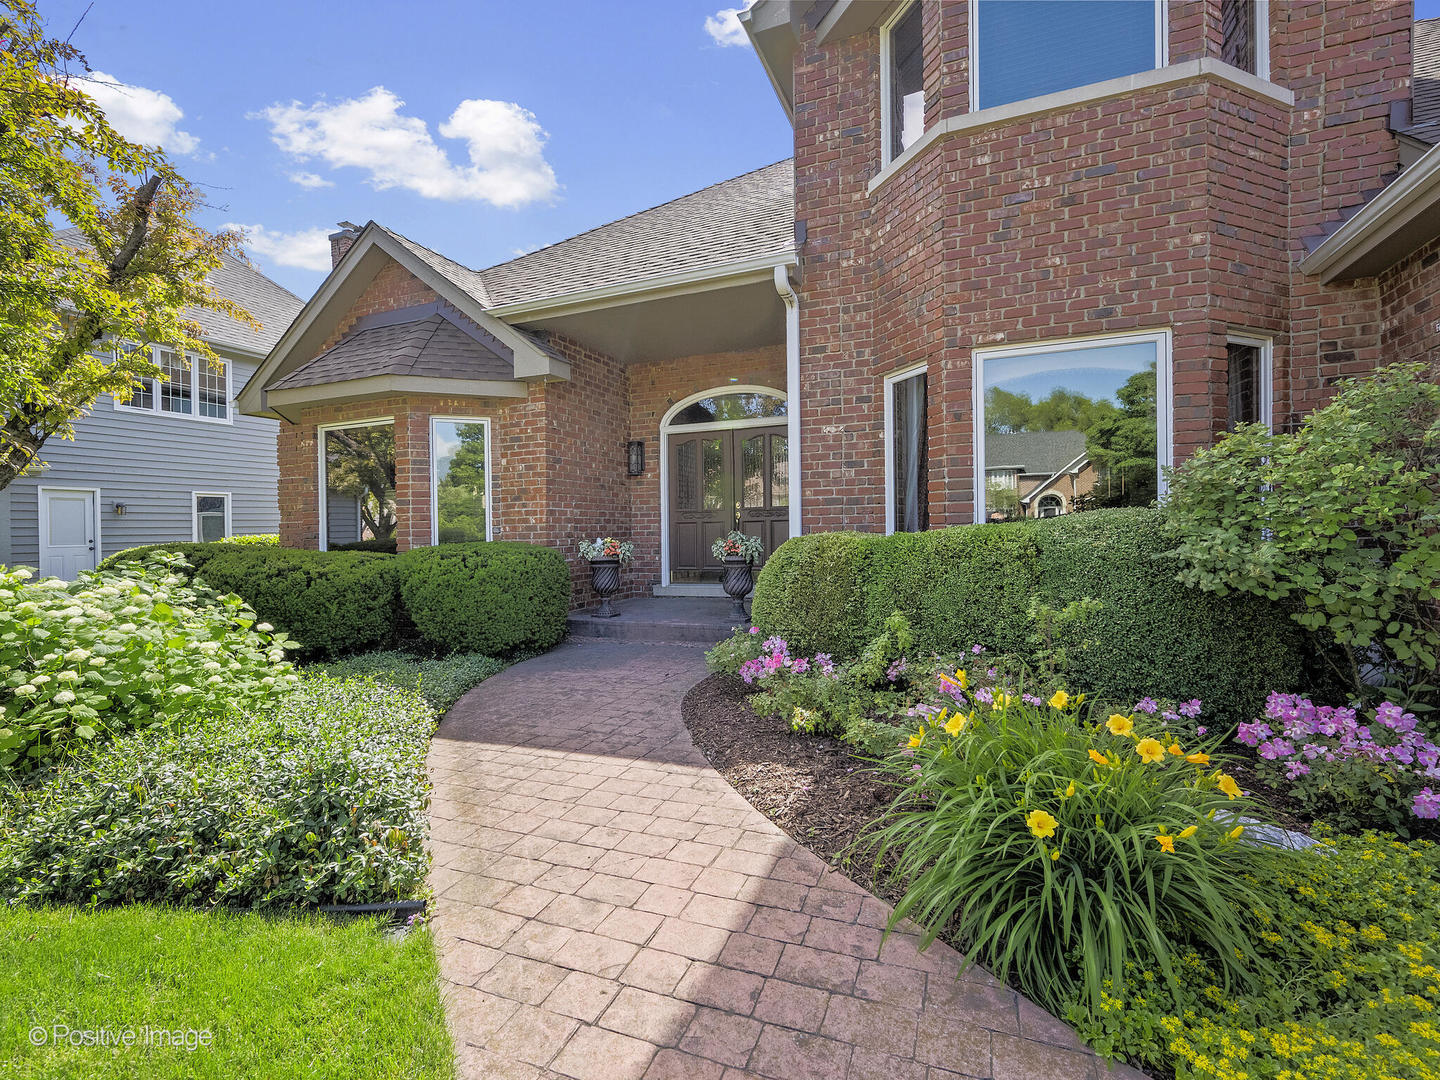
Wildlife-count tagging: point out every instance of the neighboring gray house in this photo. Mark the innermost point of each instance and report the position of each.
(178, 462)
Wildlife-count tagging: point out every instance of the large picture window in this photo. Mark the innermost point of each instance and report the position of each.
(1025, 48)
(357, 463)
(1071, 426)
(907, 464)
(902, 73)
(460, 472)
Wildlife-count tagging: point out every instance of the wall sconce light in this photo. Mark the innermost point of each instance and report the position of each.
(120, 509)
(636, 449)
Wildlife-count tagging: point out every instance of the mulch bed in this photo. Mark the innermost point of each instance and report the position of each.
(810, 786)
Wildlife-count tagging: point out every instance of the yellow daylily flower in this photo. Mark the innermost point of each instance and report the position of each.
(1099, 758)
(1167, 843)
(1150, 750)
(1120, 725)
(959, 679)
(1055, 855)
(1234, 833)
(956, 723)
(1002, 701)
(1070, 791)
(1041, 824)
(1189, 831)
(1226, 783)
(1174, 748)
(1198, 759)
(1059, 700)
(917, 738)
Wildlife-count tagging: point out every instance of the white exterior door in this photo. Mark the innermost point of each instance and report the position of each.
(68, 532)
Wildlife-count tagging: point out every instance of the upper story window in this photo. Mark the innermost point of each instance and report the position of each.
(1025, 48)
(902, 74)
(187, 386)
(1245, 35)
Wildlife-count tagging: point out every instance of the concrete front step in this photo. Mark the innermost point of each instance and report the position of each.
(690, 619)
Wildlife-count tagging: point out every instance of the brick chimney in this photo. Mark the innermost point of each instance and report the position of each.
(341, 241)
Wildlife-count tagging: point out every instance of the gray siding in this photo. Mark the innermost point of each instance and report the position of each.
(152, 462)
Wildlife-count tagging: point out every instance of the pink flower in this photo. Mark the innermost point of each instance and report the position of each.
(1426, 804)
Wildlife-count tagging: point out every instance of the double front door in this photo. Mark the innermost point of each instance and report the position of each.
(737, 478)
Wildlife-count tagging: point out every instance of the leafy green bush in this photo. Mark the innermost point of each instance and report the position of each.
(491, 598)
(330, 602)
(321, 800)
(442, 680)
(385, 545)
(253, 540)
(1004, 585)
(1337, 519)
(1353, 940)
(1059, 853)
(195, 555)
(125, 648)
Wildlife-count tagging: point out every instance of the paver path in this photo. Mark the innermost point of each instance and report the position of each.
(610, 908)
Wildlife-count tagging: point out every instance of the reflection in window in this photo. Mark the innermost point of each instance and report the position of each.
(905, 96)
(174, 382)
(752, 467)
(457, 453)
(210, 518)
(1079, 422)
(713, 479)
(1243, 384)
(779, 470)
(359, 484)
(724, 407)
(909, 451)
(685, 476)
(1031, 47)
(1240, 34)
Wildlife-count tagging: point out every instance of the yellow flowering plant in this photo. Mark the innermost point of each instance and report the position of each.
(1058, 850)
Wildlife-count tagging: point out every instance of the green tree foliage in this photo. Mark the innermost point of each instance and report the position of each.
(1338, 520)
(1122, 445)
(360, 463)
(141, 265)
(1060, 410)
(460, 493)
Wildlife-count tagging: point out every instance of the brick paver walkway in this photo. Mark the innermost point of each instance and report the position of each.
(609, 908)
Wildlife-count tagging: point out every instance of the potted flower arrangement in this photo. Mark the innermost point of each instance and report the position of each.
(739, 553)
(606, 555)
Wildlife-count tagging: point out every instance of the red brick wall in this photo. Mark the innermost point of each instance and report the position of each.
(1182, 208)
(1410, 307)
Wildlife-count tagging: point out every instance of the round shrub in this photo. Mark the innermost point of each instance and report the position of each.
(197, 555)
(384, 544)
(330, 602)
(491, 598)
(809, 592)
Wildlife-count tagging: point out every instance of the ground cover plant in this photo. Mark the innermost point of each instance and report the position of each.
(285, 997)
(442, 680)
(123, 649)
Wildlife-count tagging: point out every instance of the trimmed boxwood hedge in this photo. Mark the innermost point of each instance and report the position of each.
(493, 597)
(331, 602)
(973, 584)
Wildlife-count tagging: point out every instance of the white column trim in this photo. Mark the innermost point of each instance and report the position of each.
(791, 299)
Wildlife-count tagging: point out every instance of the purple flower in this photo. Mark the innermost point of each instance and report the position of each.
(1149, 706)
(754, 629)
(977, 649)
(1295, 769)
(1031, 699)
(1426, 804)
(800, 666)
(1201, 730)
(1190, 708)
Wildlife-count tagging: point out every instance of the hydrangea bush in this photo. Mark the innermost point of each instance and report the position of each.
(125, 648)
(1357, 770)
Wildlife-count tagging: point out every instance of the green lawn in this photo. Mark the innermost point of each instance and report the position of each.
(282, 997)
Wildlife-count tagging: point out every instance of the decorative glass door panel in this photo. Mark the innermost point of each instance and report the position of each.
(723, 480)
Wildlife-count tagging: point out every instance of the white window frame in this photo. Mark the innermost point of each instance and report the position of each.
(1266, 389)
(195, 497)
(897, 376)
(435, 478)
(1164, 403)
(1162, 50)
(194, 379)
(1050, 495)
(323, 485)
(887, 124)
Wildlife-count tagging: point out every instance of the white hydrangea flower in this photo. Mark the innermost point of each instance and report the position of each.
(264, 627)
(78, 655)
(67, 676)
(64, 697)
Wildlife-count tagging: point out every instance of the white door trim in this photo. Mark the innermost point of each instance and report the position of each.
(43, 518)
(722, 425)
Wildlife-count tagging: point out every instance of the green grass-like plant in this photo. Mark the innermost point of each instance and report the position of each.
(441, 679)
(1057, 852)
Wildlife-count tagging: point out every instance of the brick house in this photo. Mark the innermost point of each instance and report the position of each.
(1123, 227)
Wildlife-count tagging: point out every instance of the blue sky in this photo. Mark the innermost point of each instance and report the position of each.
(521, 123)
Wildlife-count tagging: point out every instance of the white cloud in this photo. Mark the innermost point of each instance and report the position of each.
(505, 143)
(140, 114)
(307, 249)
(311, 180)
(724, 26)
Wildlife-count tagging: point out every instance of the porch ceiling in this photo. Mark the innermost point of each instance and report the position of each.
(741, 316)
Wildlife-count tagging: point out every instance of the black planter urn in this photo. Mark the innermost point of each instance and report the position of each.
(605, 580)
(738, 581)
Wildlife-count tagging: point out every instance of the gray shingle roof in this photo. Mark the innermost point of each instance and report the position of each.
(1042, 453)
(270, 302)
(433, 346)
(751, 216)
(1425, 91)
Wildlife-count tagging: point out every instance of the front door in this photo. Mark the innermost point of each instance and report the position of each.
(722, 480)
(67, 532)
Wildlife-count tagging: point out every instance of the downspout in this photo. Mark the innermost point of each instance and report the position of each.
(792, 387)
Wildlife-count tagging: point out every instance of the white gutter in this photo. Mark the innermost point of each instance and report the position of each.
(792, 387)
(1383, 217)
(680, 283)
